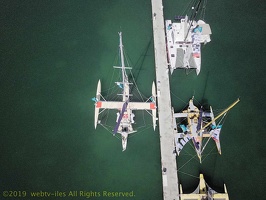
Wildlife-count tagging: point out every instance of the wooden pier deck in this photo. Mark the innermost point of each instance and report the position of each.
(168, 159)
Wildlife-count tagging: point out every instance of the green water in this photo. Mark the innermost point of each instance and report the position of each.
(54, 52)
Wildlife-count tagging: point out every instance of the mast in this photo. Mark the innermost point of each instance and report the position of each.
(122, 59)
(123, 68)
(193, 16)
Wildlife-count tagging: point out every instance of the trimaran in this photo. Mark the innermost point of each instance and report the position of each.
(200, 124)
(125, 116)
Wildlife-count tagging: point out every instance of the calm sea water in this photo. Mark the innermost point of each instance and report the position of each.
(54, 52)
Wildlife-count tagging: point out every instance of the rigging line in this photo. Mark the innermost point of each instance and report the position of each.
(134, 81)
(102, 97)
(187, 7)
(110, 83)
(205, 86)
(142, 59)
(140, 127)
(219, 111)
(107, 116)
(136, 86)
(181, 121)
(111, 90)
(144, 128)
(207, 155)
(110, 131)
(213, 153)
(224, 117)
(226, 110)
(206, 144)
(144, 123)
(189, 174)
(204, 9)
(185, 163)
(148, 112)
(128, 62)
(138, 92)
(149, 99)
(197, 101)
(108, 90)
(193, 17)
(114, 95)
(143, 118)
(188, 71)
(108, 126)
(193, 147)
(104, 116)
(189, 154)
(178, 97)
(186, 154)
(137, 95)
(136, 98)
(212, 134)
(102, 111)
(144, 96)
(132, 135)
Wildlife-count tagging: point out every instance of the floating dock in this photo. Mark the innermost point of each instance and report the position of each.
(168, 158)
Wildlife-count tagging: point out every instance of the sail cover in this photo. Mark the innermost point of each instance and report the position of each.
(200, 120)
(120, 117)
